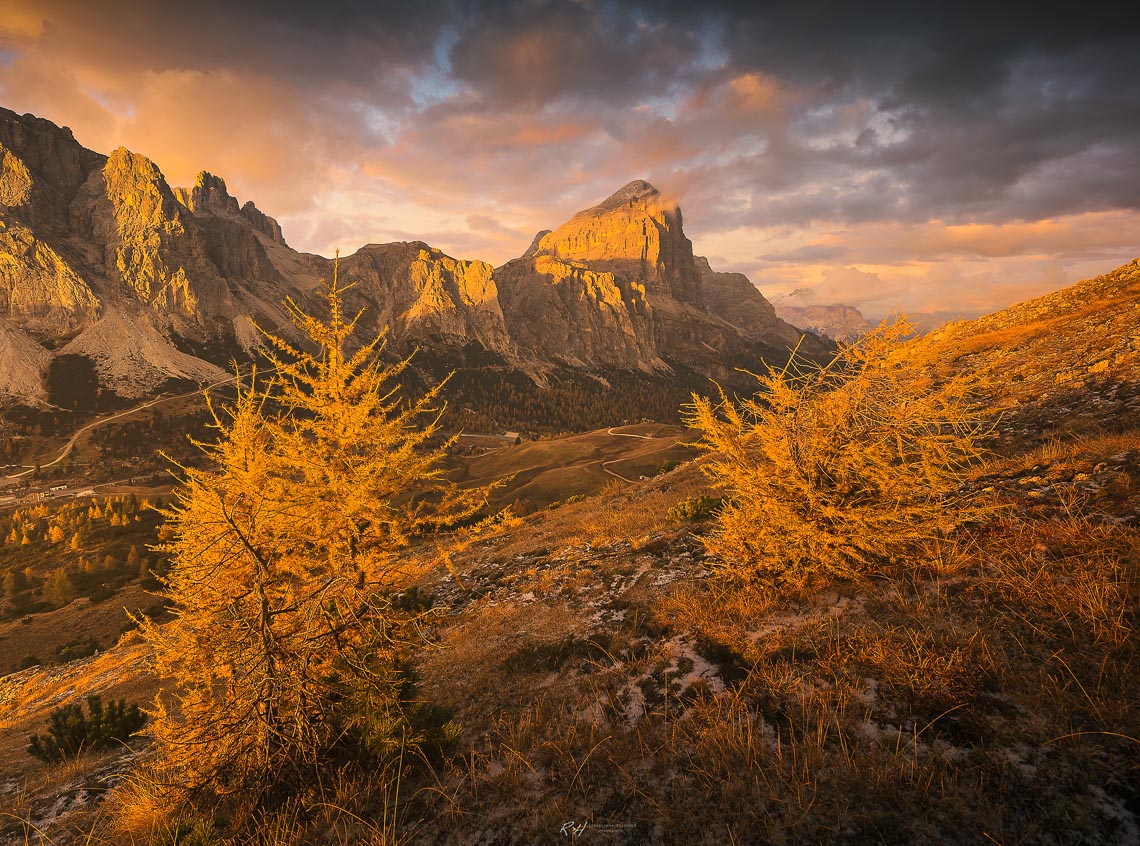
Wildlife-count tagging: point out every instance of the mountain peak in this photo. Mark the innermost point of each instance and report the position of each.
(211, 196)
(634, 235)
(629, 194)
(209, 191)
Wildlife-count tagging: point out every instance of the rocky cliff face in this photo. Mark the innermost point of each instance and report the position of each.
(634, 234)
(416, 291)
(835, 320)
(567, 313)
(42, 167)
(734, 299)
(100, 257)
(617, 285)
(39, 290)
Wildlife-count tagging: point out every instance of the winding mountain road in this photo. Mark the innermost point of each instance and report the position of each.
(616, 475)
(74, 439)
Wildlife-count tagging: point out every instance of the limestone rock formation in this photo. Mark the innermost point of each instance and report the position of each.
(128, 208)
(567, 313)
(636, 235)
(210, 196)
(39, 289)
(416, 291)
(41, 168)
(618, 286)
(100, 257)
(835, 320)
(733, 298)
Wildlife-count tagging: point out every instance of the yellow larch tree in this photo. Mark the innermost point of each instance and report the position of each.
(844, 469)
(284, 561)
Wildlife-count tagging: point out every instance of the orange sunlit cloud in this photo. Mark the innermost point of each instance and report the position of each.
(850, 158)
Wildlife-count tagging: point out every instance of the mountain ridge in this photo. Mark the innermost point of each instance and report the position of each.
(92, 245)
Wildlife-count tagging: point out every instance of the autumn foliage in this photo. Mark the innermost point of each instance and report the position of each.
(843, 469)
(284, 564)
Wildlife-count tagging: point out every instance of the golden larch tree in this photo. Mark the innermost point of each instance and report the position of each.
(284, 560)
(843, 469)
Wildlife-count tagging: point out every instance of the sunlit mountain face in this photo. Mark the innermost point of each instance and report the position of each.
(940, 162)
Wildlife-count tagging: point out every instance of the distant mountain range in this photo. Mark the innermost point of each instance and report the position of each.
(104, 264)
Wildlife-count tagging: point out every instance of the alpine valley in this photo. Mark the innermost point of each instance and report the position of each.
(606, 646)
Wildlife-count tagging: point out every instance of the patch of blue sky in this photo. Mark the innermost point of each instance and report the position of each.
(665, 106)
(441, 52)
(712, 54)
(435, 84)
(432, 86)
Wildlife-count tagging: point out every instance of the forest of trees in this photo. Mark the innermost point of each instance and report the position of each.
(494, 400)
(51, 553)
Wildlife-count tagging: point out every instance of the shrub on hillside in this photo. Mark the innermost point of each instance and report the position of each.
(843, 469)
(73, 732)
(695, 508)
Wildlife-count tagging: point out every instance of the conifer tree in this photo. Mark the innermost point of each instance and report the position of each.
(283, 559)
(58, 589)
(841, 470)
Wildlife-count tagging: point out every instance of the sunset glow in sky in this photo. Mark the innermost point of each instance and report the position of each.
(955, 160)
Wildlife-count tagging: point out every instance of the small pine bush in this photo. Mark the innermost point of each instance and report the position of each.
(73, 732)
(696, 508)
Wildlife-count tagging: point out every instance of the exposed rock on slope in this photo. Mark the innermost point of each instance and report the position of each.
(568, 313)
(1097, 318)
(417, 291)
(210, 196)
(133, 358)
(24, 364)
(129, 209)
(39, 290)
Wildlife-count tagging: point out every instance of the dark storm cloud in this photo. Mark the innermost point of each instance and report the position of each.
(540, 52)
(334, 43)
(998, 112)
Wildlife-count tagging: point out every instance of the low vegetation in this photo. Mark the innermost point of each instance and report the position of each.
(71, 732)
(864, 615)
(841, 470)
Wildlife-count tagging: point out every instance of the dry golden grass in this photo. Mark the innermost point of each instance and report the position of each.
(42, 634)
(986, 690)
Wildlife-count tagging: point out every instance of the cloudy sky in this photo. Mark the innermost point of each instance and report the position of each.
(881, 155)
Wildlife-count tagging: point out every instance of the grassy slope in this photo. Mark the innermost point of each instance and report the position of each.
(988, 694)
